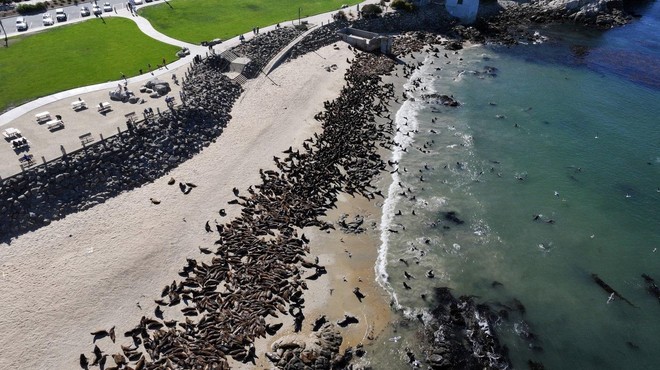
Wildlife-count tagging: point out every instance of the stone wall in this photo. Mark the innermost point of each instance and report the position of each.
(145, 152)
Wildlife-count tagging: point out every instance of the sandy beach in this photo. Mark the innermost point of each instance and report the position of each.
(105, 266)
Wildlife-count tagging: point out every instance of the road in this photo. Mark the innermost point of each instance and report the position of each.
(73, 15)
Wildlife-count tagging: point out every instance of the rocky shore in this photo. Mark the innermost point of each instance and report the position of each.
(511, 22)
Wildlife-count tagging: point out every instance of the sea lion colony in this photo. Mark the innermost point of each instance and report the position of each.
(259, 264)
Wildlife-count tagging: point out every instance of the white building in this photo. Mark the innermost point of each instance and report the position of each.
(465, 10)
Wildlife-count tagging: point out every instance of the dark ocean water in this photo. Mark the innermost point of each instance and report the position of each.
(569, 130)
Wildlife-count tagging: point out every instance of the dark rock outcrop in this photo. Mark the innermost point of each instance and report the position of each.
(462, 335)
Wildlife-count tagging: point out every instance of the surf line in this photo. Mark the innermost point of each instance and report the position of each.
(406, 125)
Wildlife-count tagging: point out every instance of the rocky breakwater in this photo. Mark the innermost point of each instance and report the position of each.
(509, 21)
(262, 48)
(147, 151)
(254, 281)
(602, 13)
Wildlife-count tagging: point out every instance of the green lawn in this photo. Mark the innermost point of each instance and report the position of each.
(198, 20)
(81, 54)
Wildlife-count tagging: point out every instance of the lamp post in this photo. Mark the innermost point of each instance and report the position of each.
(5, 32)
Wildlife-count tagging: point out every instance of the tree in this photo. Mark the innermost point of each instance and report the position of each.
(5, 32)
(402, 5)
(371, 10)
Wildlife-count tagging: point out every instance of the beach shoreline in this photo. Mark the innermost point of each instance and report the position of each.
(126, 249)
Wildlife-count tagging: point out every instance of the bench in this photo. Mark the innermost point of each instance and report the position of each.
(78, 105)
(104, 107)
(55, 124)
(86, 138)
(42, 117)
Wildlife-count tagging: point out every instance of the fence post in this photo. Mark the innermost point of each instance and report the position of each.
(64, 151)
(43, 159)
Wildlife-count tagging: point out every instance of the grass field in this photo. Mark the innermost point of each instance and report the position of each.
(77, 55)
(198, 20)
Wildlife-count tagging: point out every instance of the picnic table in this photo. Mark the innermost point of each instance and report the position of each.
(55, 124)
(42, 117)
(78, 105)
(104, 107)
(11, 133)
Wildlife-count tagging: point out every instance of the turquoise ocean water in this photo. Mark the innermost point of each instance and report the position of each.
(567, 130)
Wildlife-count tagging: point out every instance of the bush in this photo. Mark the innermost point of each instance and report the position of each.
(371, 11)
(32, 8)
(340, 16)
(402, 5)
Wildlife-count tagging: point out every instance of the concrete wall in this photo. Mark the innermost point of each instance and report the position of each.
(365, 40)
(465, 10)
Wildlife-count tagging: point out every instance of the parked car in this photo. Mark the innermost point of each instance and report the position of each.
(148, 1)
(47, 19)
(21, 24)
(97, 10)
(60, 15)
(107, 7)
(84, 11)
(138, 2)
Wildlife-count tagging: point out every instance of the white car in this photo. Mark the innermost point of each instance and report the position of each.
(97, 10)
(47, 19)
(60, 15)
(21, 24)
(84, 11)
(137, 2)
(107, 7)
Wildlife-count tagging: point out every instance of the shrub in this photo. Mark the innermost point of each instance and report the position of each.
(371, 10)
(340, 16)
(32, 8)
(402, 5)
